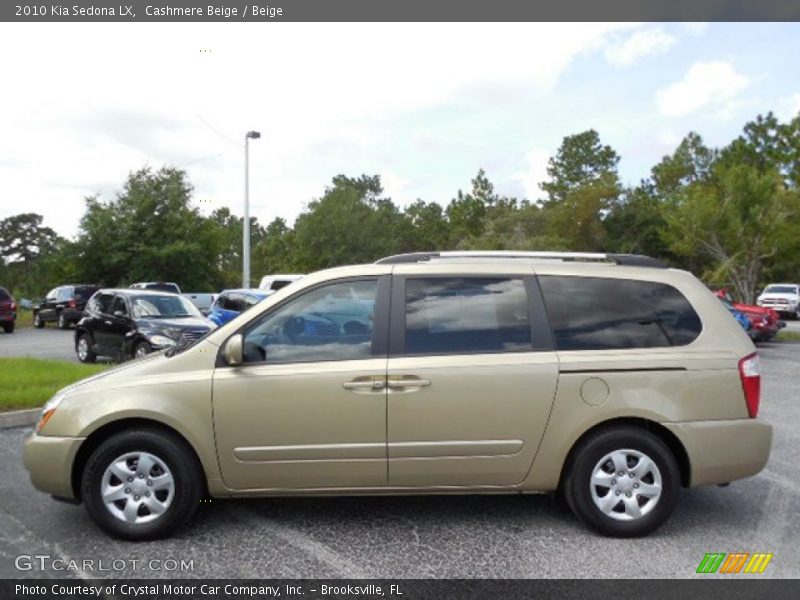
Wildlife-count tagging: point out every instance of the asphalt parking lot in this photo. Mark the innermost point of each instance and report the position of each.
(445, 536)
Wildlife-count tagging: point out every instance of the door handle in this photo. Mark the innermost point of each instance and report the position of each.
(410, 382)
(373, 384)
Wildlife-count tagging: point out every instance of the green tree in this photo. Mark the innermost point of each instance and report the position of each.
(228, 229)
(737, 219)
(582, 159)
(149, 232)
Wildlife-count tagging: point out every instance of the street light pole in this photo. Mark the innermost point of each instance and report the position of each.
(251, 135)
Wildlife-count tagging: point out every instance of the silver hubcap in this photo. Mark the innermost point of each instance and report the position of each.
(61, 321)
(83, 348)
(626, 485)
(36, 320)
(137, 488)
(141, 351)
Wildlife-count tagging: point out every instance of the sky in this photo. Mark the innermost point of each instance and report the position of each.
(422, 105)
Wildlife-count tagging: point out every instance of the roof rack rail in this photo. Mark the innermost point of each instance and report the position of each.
(632, 260)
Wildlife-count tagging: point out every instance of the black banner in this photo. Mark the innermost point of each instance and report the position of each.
(405, 10)
(733, 588)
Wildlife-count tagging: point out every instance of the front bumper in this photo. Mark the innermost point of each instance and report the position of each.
(49, 461)
(723, 451)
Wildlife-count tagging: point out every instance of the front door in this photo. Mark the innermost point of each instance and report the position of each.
(472, 378)
(307, 408)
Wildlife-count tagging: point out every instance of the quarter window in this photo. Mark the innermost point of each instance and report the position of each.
(461, 315)
(333, 322)
(594, 313)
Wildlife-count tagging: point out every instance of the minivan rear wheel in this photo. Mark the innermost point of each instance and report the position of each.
(141, 484)
(622, 482)
(37, 321)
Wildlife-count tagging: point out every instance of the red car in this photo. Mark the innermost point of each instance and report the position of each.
(764, 322)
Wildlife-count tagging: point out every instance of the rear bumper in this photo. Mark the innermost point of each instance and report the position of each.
(49, 461)
(723, 451)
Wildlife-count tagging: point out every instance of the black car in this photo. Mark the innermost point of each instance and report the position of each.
(63, 304)
(130, 323)
(8, 311)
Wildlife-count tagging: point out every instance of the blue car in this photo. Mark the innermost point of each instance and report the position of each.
(231, 303)
(739, 316)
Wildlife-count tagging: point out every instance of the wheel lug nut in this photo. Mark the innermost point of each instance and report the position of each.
(141, 475)
(613, 482)
(147, 494)
(628, 494)
(136, 497)
(621, 473)
(127, 490)
(130, 479)
(631, 475)
(636, 485)
(617, 492)
(149, 482)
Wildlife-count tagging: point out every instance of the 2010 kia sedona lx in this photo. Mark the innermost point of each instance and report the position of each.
(609, 377)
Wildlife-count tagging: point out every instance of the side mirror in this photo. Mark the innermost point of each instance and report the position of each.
(120, 315)
(232, 350)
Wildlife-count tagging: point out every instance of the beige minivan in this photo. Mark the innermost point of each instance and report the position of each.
(611, 378)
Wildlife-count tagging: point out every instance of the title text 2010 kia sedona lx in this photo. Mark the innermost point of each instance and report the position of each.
(609, 377)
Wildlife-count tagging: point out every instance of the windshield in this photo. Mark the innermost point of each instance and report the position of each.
(780, 289)
(163, 307)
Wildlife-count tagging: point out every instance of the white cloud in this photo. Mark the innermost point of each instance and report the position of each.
(695, 28)
(716, 84)
(789, 107)
(106, 102)
(638, 45)
(535, 172)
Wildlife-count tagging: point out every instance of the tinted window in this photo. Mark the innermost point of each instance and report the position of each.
(84, 291)
(100, 303)
(463, 315)
(334, 322)
(279, 283)
(780, 289)
(119, 305)
(64, 293)
(593, 313)
(161, 306)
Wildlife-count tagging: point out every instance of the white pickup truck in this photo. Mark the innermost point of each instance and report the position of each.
(783, 298)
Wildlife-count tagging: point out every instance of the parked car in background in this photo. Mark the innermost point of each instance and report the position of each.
(764, 322)
(159, 286)
(740, 317)
(783, 298)
(8, 310)
(609, 377)
(63, 305)
(125, 323)
(272, 283)
(202, 301)
(231, 303)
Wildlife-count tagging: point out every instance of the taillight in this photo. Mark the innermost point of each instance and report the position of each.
(749, 373)
(13, 306)
(72, 303)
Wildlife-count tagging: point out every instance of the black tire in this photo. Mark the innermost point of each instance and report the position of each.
(8, 327)
(62, 321)
(179, 460)
(578, 491)
(143, 347)
(90, 356)
(37, 321)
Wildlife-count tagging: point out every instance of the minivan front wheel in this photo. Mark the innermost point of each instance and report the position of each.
(141, 484)
(623, 482)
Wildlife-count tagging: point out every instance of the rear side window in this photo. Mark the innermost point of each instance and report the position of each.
(594, 313)
(100, 303)
(65, 293)
(462, 315)
(84, 292)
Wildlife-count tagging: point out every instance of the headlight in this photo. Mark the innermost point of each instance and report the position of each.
(161, 341)
(49, 409)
